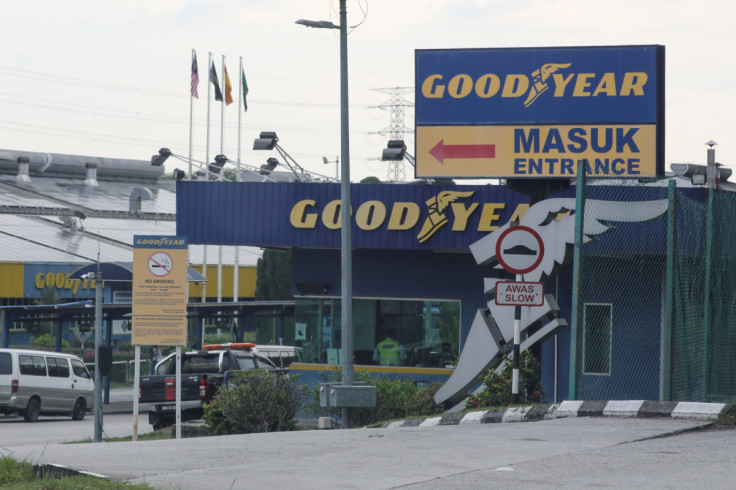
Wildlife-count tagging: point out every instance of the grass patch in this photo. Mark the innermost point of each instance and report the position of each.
(18, 475)
(151, 436)
(728, 419)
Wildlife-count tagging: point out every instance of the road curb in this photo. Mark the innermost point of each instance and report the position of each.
(574, 408)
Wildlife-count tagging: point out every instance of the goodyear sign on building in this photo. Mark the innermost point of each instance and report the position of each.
(534, 112)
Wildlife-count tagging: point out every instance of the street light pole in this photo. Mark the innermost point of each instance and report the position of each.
(346, 241)
(346, 259)
(97, 395)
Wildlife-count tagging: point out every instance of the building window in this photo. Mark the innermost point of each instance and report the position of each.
(597, 327)
(427, 331)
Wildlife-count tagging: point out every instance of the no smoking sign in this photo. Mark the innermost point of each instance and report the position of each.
(160, 264)
(519, 249)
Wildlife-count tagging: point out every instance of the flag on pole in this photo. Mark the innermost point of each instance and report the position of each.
(195, 77)
(228, 88)
(214, 81)
(245, 92)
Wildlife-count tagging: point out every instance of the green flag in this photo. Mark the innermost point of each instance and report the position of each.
(214, 81)
(245, 92)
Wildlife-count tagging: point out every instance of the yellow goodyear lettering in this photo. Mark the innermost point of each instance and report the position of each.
(460, 86)
(404, 215)
(516, 85)
(299, 217)
(370, 215)
(461, 215)
(332, 215)
(432, 90)
(489, 216)
(59, 280)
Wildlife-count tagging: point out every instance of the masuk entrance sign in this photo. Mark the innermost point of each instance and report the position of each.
(534, 112)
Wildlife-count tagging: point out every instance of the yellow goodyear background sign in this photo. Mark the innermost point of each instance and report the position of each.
(160, 265)
(533, 113)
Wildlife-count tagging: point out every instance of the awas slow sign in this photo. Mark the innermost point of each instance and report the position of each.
(512, 293)
(519, 250)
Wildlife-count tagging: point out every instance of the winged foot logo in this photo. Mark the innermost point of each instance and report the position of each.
(492, 330)
(539, 80)
(437, 205)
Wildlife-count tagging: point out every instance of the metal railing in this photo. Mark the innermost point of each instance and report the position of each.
(129, 368)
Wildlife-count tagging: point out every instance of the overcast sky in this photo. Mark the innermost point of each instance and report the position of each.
(112, 79)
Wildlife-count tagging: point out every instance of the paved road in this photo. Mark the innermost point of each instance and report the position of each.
(569, 452)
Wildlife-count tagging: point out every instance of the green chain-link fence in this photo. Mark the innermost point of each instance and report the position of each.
(657, 295)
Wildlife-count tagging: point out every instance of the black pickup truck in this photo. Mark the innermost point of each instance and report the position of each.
(202, 373)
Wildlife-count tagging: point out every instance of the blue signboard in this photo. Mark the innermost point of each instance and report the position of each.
(532, 112)
(414, 217)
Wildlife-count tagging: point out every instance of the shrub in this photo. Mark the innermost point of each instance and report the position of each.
(46, 341)
(422, 401)
(392, 400)
(498, 384)
(256, 400)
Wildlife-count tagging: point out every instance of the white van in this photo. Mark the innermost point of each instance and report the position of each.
(281, 355)
(39, 382)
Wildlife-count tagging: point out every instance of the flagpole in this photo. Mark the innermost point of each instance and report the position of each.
(236, 265)
(206, 168)
(240, 102)
(222, 171)
(191, 114)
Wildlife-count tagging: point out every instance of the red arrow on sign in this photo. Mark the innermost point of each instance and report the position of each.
(442, 151)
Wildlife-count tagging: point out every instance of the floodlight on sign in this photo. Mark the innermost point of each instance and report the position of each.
(395, 151)
(158, 160)
(268, 167)
(267, 140)
(220, 161)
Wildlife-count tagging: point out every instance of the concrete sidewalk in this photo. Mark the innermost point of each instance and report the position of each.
(565, 452)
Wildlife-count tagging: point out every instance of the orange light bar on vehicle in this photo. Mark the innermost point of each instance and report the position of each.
(230, 346)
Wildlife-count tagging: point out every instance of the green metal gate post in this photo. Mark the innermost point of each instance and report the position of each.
(665, 354)
(576, 278)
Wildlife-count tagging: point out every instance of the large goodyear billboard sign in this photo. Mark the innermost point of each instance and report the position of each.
(534, 112)
(404, 217)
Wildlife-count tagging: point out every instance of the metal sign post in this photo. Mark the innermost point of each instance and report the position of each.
(519, 249)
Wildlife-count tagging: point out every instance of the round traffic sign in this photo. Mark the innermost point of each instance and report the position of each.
(160, 264)
(519, 249)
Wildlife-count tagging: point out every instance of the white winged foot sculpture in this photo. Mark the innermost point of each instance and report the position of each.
(483, 348)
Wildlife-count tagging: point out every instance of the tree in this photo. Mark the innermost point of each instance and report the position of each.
(38, 328)
(371, 180)
(273, 275)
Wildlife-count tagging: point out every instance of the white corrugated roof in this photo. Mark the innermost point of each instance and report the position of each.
(30, 230)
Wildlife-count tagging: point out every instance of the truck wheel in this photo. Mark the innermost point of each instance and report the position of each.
(79, 410)
(32, 410)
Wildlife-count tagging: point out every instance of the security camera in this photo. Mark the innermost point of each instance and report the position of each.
(88, 276)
